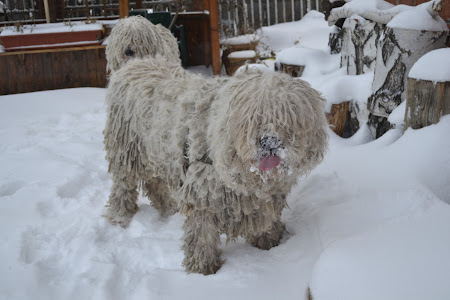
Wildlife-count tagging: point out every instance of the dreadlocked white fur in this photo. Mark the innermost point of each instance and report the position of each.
(194, 144)
(137, 37)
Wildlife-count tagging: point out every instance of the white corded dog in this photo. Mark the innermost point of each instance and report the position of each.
(224, 151)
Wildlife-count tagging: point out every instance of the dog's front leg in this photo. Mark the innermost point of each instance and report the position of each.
(268, 239)
(122, 204)
(201, 240)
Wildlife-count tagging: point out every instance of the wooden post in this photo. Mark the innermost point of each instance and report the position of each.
(47, 11)
(214, 29)
(53, 11)
(124, 8)
(88, 12)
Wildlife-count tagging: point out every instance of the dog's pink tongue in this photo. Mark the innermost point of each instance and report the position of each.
(269, 162)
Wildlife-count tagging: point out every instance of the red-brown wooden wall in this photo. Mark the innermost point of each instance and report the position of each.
(38, 70)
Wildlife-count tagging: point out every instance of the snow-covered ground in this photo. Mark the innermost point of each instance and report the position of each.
(371, 222)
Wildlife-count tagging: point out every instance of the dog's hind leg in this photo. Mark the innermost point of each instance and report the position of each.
(268, 239)
(158, 193)
(200, 244)
(122, 204)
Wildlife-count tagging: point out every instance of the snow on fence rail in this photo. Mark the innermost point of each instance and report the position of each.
(237, 17)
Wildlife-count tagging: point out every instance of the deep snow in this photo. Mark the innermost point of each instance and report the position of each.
(370, 222)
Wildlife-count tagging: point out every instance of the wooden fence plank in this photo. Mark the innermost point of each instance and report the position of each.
(101, 68)
(91, 60)
(13, 78)
(28, 66)
(39, 73)
(28, 71)
(4, 74)
(49, 73)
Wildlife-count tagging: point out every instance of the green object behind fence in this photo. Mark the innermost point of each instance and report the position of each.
(165, 18)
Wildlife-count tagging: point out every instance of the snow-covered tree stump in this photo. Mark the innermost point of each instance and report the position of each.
(428, 90)
(235, 44)
(237, 59)
(293, 70)
(398, 50)
(337, 118)
(426, 102)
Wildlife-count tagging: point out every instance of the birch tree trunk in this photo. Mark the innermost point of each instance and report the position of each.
(359, 45)
(359, 50)
(397, 52)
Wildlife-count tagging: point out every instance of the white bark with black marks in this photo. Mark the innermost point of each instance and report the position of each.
(359, 45)
(398, 50)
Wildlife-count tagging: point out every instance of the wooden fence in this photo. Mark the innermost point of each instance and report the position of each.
(38, 70)
(32, 11)
(238, 17)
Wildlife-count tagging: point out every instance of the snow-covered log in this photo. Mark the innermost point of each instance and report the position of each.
(382, 12)
(428, 89)
(406, 38)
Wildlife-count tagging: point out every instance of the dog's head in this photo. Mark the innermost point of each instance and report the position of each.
(275, 130)
(137, 37)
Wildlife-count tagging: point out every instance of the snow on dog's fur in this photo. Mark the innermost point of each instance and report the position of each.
(137, 37)
(224, 151)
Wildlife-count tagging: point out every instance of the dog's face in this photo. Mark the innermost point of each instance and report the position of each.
(137, 37)
(276, 128)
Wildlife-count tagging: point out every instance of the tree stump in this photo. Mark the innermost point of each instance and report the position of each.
(235, 44)
(237, 59)
(397, 52)
(293, 70)
(426, 102)
(337, 118)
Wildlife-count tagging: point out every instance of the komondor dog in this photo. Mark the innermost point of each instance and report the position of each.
(137, 37)
(225, 152)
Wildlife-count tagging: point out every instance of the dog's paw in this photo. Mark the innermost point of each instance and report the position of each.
(193, 265)
(119, 219)
(263, 242)
(269, 239)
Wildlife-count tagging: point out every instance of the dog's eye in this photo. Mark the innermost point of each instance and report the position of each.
(129, 52)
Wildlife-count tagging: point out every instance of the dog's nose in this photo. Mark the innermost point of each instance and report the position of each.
(269, 145)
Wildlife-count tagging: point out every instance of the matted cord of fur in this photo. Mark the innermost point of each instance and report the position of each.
(225, 151)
